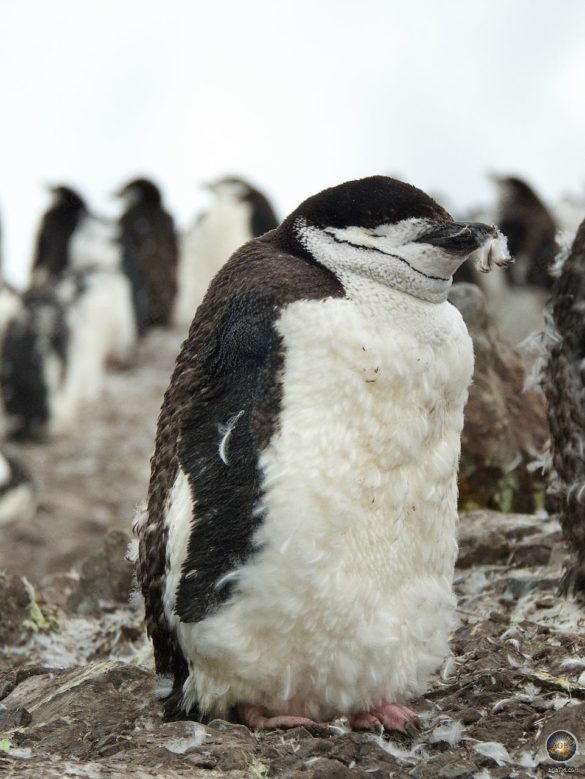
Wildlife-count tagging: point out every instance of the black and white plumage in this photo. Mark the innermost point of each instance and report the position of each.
(33, 358)
(53, 245)
(564, 387)
(57, 345)
(149, 253)
(239, 212)
(297, 553)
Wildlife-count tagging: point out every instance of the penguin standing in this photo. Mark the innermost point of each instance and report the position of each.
(297, 553)
(239, 213)
(52, 250)
(564, 388)
(149, 253)
(58, 343)
(516, 300)
(531, 232)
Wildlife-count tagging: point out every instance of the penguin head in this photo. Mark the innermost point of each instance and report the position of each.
(230, 188)
(391, 232)
(512, 189)
(235, 190)
(139, 191)
(67, 199)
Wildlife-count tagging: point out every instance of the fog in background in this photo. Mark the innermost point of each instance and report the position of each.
(294, 94)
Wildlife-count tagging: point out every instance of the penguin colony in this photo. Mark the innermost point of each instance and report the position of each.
(96, 287)
(297, 554)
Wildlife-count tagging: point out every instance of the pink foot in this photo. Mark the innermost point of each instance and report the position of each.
(391, 716)
(259, 718)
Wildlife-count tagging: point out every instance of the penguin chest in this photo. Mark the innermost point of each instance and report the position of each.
(368, 445)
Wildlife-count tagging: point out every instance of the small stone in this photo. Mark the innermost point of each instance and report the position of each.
(105, 576)
(333, 769)
(234, 760)
(467, 716)
(14, 718)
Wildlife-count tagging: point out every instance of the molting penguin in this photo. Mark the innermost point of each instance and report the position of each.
(52, 250)
(149, 253)
(240, 212)
(563, 384)
(297, 552)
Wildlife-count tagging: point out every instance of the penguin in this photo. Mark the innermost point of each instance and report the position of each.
(18, 501)
(56, 349)
(239, 213)
(563, 382)
(52, 249)
(516, 300)
(297, 549)
(149, 253)
(531, 232)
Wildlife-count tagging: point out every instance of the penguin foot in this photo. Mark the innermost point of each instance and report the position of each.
(391, 716)
(259, 718)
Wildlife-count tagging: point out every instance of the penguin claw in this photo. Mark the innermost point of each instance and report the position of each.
(388, 716)
(259, 718)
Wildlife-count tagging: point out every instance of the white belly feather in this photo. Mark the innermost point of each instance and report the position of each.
(348, 601)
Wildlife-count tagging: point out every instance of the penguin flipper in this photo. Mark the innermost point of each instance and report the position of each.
(219, 445)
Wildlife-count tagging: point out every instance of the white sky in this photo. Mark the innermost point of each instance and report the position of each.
(295, 94)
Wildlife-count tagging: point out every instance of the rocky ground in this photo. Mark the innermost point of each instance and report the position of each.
(76, 679)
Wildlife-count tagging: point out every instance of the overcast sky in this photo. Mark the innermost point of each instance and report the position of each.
(295, 94)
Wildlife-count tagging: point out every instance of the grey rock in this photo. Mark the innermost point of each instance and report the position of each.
(14, 718)
(105, 576)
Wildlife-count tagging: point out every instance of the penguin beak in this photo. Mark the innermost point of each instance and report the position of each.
(481, 243)
(459, 237)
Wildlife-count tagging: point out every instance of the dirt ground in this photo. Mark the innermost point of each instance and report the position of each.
(76, 680)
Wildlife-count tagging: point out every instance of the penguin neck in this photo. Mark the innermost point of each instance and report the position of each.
(353, 266)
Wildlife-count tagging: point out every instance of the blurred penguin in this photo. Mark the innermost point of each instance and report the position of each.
(517, 296)
(56, 349)
(239, 212)
(149, 253)
(18, 501)
(52, 250)
(531, 232)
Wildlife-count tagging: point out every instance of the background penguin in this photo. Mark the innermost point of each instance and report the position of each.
(34, 353)
(52, 251)
(239, 212)
(297, 553)
(564, 384)
(516, 300)
(531, 232)
(149, 253)
(56, 348)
